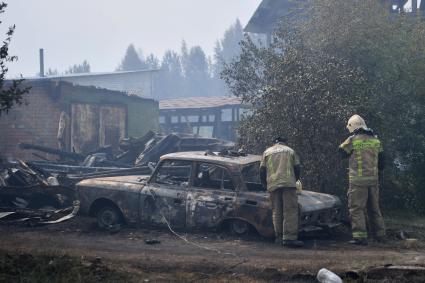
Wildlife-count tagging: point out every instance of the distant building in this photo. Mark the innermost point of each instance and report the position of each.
(270, 12)
(216, 117)
(267, 16)
(138, 82)
(90, 117)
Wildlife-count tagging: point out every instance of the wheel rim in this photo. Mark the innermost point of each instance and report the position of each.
(108, 218)
(239, 227)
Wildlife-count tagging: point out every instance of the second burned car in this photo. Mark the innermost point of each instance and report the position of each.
(199, 190)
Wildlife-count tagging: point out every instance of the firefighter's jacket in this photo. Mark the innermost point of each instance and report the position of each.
(364, 150)
(280, 162)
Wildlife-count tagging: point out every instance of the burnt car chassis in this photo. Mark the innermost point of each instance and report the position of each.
(198, 190)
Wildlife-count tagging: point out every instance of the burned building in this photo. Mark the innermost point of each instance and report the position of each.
(75, 118)
(137, 82)
(216, 117)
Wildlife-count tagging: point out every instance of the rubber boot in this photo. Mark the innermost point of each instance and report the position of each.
(292, 243)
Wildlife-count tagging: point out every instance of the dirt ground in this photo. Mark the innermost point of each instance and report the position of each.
(213, 257)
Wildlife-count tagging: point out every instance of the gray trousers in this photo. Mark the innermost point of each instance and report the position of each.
(285, 213)
(363, 204)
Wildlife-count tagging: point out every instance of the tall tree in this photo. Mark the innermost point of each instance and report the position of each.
(184, 56)
(51, 72)
(226, 49)
(131, 60)
(170, 78)
(79, 68)
(197, 77)
(152, 62)
(229, 46)
(11, 93)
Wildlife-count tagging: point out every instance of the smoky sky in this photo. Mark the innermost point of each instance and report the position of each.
(99, 31)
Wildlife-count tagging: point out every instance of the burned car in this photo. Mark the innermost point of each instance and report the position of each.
(196, 190)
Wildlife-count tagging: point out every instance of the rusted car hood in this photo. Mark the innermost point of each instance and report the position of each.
(117, 182)
(312, 201)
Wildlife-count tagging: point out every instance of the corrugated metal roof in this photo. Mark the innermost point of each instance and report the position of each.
(268, 15)
(92, 74)
(199, 102)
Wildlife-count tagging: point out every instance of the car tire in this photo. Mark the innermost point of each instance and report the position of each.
(109, 217)
(239, 227)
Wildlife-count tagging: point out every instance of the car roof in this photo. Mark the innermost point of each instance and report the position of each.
(203, 156)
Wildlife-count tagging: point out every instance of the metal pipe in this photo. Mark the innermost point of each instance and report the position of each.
(41, 62)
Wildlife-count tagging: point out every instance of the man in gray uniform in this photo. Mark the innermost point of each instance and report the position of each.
(279, 170)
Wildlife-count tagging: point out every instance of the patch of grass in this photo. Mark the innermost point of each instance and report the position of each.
(46, 268)
(414, 225)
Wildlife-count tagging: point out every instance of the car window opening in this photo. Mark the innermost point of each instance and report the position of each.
(210, 176)
(251, 177)
(174, 172)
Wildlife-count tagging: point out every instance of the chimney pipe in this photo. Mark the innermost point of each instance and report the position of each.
(41, 62)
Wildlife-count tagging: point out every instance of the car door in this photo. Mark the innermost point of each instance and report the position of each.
(211, 197)
(163, 198)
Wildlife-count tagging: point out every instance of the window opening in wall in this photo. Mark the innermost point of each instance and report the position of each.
(226, 115)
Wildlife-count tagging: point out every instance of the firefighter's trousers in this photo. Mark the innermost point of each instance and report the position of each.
(363, 204)
(285, 213)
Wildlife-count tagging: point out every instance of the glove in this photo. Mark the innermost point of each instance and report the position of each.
(299, 186)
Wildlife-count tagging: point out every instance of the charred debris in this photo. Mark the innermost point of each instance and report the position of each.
(33, 196)
(133, 154)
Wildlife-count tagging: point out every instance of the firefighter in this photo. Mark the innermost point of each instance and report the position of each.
(279, 171)
(365, 154)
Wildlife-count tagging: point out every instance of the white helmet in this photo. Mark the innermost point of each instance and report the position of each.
(355, 122)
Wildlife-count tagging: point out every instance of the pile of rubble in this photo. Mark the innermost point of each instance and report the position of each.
(132, 152)
(30, 195)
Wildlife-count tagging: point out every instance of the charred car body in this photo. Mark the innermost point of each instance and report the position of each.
(196, 190)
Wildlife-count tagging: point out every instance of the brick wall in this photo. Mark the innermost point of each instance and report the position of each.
(35, 122)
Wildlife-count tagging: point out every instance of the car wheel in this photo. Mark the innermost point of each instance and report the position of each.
(108, 217)
(239, 227)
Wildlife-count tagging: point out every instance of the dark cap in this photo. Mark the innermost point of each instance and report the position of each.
(280, 139)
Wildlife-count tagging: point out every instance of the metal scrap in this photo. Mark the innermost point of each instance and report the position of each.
(30, 195)
(132, 152)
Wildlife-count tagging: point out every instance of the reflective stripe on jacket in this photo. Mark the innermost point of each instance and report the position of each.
(280, 161)
(363, 163)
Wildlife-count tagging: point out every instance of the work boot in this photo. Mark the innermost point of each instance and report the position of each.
(359, 241)
(278, 240)
(292, 243)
